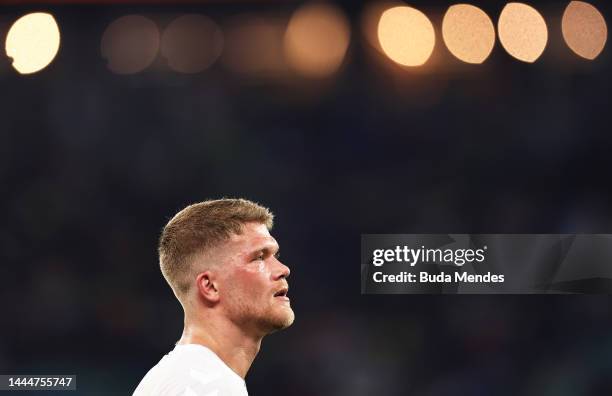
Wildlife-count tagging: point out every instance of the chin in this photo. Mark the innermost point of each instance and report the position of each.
(281, 321)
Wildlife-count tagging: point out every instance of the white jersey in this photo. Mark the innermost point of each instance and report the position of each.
(191, 370)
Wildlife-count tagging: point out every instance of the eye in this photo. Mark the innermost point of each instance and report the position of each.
(260, 256)
(277, 255)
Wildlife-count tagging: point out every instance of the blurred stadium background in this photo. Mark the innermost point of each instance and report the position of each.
(127, 125)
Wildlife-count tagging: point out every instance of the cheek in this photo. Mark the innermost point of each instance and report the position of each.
(257, 270)
(263, 270)
(254, 280)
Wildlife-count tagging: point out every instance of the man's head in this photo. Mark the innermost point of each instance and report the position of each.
(220, 255)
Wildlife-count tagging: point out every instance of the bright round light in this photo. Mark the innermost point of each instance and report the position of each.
(33, 42)
(468, 33)
(522, 31)
(316, 40)
(130, 44)
(191, 43)
(406, 35)
(584, 29)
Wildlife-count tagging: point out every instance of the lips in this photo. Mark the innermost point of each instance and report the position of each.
(281, 292)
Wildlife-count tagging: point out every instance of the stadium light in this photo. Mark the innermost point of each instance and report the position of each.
(406, 35)
(584, 29)
(33, 42)
(468, 33)
(522, 32)
(130, 44)
(316, 40)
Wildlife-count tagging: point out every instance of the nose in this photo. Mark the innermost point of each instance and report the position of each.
(282, 271)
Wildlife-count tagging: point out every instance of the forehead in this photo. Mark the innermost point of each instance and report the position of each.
(255, 236)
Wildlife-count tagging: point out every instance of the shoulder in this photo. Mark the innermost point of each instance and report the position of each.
(191, 370)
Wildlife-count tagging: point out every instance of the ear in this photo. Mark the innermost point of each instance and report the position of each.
(207, 286)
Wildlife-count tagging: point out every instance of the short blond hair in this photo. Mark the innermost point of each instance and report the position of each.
(200, 227)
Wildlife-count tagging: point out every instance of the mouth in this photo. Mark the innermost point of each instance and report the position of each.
(282, 294)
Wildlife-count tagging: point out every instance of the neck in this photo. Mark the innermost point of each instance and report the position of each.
(232, 345)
